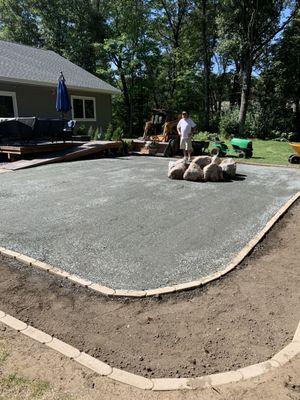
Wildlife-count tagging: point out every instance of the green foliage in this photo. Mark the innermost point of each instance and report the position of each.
(3, 355)
(109, 132)
(271, 152)
(229, 123)
(294, 136)
(117, 134)
(91, 132)
(94, 133)
(18, 22)
(35, 387)
(97, 133)
(127, 146)
(113, 134)
(204, 135)
(279, 136)
(162, 54)
(81, 130)
(72, 29)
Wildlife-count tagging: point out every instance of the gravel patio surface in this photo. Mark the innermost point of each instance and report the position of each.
(122, 223)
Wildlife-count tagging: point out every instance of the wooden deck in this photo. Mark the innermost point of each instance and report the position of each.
(16, 151)
(68, 153)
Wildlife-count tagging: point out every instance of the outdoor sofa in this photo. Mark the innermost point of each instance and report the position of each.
(33, 129)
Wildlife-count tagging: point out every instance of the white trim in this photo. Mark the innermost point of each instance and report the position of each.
(14, 99)
(52, 84)
(83, 98)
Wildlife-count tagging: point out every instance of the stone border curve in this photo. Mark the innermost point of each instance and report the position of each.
(154, 384)
(107, 291)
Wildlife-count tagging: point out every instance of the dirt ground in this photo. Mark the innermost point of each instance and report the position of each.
(31, 371)
(241, 319)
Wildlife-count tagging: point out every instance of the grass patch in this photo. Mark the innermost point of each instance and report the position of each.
(15, 387)
(272, 152)
(268, 152)
(22, 388)
(3, 356)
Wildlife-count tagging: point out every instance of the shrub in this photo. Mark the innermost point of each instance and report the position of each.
(294, 136)
(117, 134)
(229, 124)
(109, 132)
(97, 134)
(81, 130)
(91, 132)
(204, 135)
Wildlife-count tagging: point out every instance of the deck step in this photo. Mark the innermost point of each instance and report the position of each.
(68, 154)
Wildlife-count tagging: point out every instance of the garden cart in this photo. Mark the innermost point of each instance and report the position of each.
(293, 158)
(242, 147)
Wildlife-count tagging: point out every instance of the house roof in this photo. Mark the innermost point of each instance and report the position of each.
(29, 65)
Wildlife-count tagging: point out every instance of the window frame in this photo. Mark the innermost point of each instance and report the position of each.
(14, 101)
(83, 98)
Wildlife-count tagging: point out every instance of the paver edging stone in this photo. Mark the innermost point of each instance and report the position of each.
(155, 384)
(287, 353)
(37, 335)
(92, 363)
(13, 323)
(296, 337)
(251, 371)
(131, 379)
(63, 348)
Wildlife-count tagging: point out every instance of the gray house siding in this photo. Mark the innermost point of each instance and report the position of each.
(39, 101)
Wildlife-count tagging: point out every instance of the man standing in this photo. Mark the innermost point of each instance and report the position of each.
(185, 129)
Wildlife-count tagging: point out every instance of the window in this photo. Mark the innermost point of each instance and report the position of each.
(83, 108)
(8, 105)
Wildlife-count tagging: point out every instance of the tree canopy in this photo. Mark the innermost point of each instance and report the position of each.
(234, 64)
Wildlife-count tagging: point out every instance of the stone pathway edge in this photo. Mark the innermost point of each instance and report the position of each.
(155, 384)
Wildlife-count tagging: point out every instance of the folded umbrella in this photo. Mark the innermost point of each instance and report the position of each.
(63, 103)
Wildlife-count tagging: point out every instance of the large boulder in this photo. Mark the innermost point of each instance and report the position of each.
(177, 169)
(216, 160)
(202, 161)
(228, 166)
(194, 173)
(213, 173)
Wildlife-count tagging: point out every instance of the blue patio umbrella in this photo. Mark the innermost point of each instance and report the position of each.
(63, 103)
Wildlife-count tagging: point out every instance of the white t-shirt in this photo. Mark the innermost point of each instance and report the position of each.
(185, 125)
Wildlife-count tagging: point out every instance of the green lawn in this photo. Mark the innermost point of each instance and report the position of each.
(264, 152)
(267, 152)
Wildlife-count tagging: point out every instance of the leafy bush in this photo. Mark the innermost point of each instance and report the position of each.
(204, 135)
(109, 132)
(91, 132)
(95, 133)
(117, 134)
(278, 136)
(127, 147)
(229, 124)
(81, 130)
(113, 134)
(294, 136)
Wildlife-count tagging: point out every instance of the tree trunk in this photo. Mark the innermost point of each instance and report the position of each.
(297, 116)
(127, 105)
(206, 67)
(234, 96)
(246, 73)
